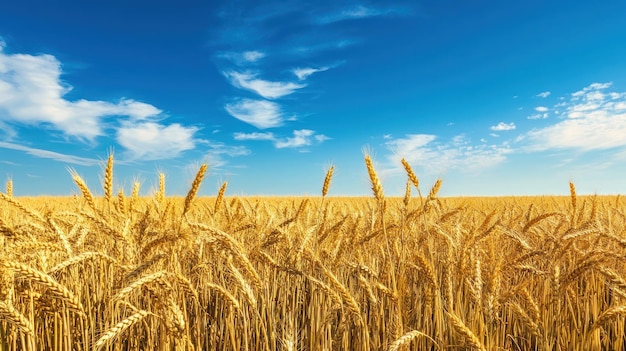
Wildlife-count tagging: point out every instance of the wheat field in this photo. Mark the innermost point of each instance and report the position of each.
(118, 272)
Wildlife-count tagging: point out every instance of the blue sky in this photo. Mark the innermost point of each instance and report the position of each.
(495, 97)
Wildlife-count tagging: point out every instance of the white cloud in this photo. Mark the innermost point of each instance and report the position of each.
(32, 93)
(152, 141)
(301, 138)
(541, 109)
(594, 87)
(253, 56)
(591, 120)
(243, 59)
(253, 136)
(503, 127)
(538, 116)
(50, 154)
(544, 94)
(215, 156)
(266, 89)
(433, 157)
(304, 73)
(259, 113)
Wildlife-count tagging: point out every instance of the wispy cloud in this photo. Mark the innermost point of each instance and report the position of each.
(500, 127)
(50, 154)
(253, 56)
(243, 58)
(300, 138)
(267, 89)
(593, 120)
(541, 109)
(259, 113)
(304, 73)
(423, 151)
(358, 12)
(153, 141)
(253, 136)
(217, 151)
(538, 116)
(544, 94)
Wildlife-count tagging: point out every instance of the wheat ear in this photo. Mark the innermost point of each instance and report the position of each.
(139, 282)
(608, 316)
(329, 176)
(377, 188)
(220, 197)
(410, 174)
(134, 196)
(232, 301)
(32, 213)
(194, 188)
(467, 333)
(119, 328)
(9, 187)
(407, 338)
(84, 190)
(10, 314)
(161, 194)
(55, 288)
(121, 204)
(108, 179)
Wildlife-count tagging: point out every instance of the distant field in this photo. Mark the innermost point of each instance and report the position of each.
(123, 272)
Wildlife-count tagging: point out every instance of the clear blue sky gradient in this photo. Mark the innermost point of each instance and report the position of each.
(495, 97)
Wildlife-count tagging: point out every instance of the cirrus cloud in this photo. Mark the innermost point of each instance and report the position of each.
(300, 138)
(259, 113)
(266, 89)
